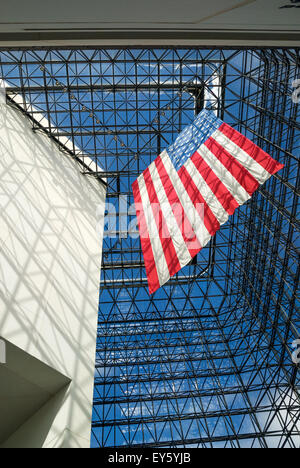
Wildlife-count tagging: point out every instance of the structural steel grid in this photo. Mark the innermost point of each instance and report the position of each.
(210, 360)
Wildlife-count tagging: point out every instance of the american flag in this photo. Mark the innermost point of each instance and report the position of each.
(191, 189)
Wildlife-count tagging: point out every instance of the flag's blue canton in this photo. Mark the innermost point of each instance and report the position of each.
(192, 137)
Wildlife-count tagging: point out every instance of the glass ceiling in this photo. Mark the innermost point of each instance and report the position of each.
(208, 360)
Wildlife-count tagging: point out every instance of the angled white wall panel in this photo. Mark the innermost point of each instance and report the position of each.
(50, 260)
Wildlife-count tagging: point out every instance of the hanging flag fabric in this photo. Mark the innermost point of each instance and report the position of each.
(191, 189)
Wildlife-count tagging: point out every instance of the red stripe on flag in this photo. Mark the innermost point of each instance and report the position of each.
(184, 224)
(210, 221)
(226, 199)
(239, 172)
(260, 156)
(150, 266)
(164, 234)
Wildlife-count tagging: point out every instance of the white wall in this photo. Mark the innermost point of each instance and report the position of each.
(144, 22)
(50, 259)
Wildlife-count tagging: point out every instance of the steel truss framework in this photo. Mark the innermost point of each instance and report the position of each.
(207, 361)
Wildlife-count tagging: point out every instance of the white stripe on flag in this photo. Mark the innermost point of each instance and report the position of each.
(230, 182)
(190, 211)
(182, 252)
(206, 192)
(252, 166)
(158, 253)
